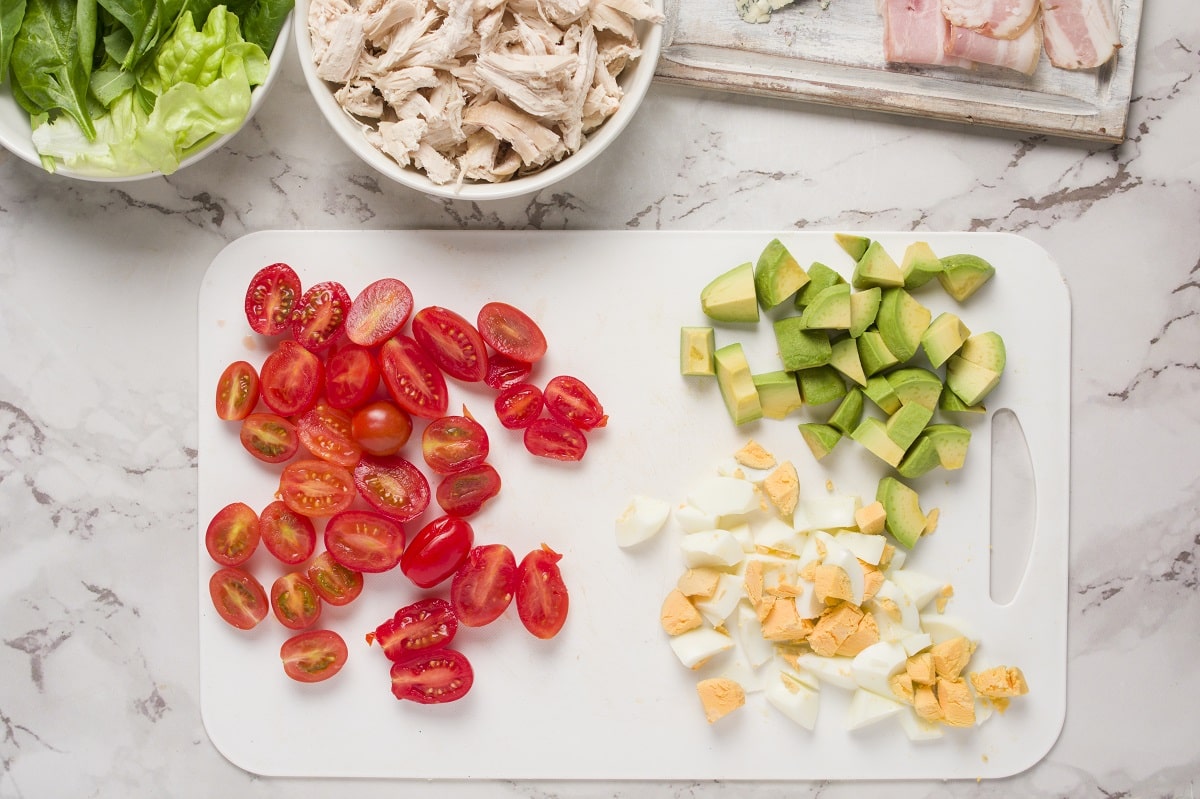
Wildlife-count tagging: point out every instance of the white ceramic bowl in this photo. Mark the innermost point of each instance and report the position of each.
(16, 138)
(635, 80)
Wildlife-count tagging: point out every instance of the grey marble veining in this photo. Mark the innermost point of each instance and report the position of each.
(98, 444)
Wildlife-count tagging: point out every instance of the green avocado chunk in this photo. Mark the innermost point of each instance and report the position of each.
(914, 384)
(919, 265)
(855, 246)
(799, 347)
(737, 384)
(777, 275)
(962, 275)
(904, 518)
(901, 321)
(820, 384)
(731, 297)
(943, 338)
(820, 277)
(876, 268)
(778, 393)
(821, 438)
(843, 356)
(848, 413)
(696, 346)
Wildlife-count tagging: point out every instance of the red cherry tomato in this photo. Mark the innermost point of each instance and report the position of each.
(295, 601)
(439, 675)
(269, 437)
(364, 541)
(237, 391)
(569, 400)
(319, 317)
(550, 438)
(238, 598)
(271, 298)
(453, 343)
(313, 656)
(519, 405)
(392, 486)
(351, 377)
(454, 443)
(484, 585)
(333, 582)
(412, 378)
(378, 312)
(541, 593)
(426, 624)
(291, 379)
(509, 331)
(232, 535)
(464, 493)
(504, 371)
(437, 551)
(316, 488)
(287, 535)
(326, 432)
(381, 428)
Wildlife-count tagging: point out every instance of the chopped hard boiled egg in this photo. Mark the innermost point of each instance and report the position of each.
(867, 708)
(641, 520)
(695, 647)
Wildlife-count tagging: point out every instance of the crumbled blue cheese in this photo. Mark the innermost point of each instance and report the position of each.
(759, 10)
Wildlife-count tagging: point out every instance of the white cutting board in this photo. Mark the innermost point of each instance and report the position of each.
(607, 698)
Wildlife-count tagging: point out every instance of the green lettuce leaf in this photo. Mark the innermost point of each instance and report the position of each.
(11, 14)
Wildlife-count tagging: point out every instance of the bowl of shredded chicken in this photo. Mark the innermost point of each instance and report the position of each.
(478, 99)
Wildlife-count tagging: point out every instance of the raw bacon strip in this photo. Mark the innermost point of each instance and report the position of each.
(916, 32)
(1000, 19)
(1021, 53)
(1079, 34)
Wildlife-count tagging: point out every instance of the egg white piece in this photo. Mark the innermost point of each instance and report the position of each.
(917, 642)
(920, 588)
(692, 520)
(878, 663)
(844, 559)
(778, 536)
(711, 548)
(758, 650)
(910, 619)
(867, 548)
(641, 520)
(724, 601)
(724, 496)
(801, 705)
(744, 537)
(828, 512)
(943, 626)
(896, 563)
(867, 708)
(916, 728)
(729, 467)
(695, 647)
(837, 670)
(808, 604)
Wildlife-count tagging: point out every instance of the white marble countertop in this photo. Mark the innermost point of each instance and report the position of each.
(98, 443)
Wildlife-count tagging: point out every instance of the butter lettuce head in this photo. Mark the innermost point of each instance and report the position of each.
(199, 81)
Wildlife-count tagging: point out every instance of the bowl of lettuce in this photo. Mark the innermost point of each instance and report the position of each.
(117, 90)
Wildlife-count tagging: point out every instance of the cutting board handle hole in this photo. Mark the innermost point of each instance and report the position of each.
(1013, 506)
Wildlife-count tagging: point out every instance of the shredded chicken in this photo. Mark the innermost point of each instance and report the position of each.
(477, 90)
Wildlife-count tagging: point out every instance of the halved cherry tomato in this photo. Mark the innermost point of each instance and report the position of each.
(541, 593)
(439, 675)
(269, 437)
(232, 535)
(519, 405)
(364, 541)
(437, 551)
(320, 315)
(392, 486)
(295, 601)
(550, 438)
(484, 585)
(504, 371)
(453, 343)
(378, 312)
(326, 432)
(510, 331)
(316, 488)
(454, 443)
(333, 582)
(313, 656)
(425, 624)
(291, 379)
(381, 428)
(351, 377)
(570, 400)
(238, 598)
(463, 493)
(237, 391)
(412, 378)
(271, 298)
(286, 534)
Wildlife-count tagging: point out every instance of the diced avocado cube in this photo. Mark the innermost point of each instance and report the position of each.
(879, 390)
(820, 384)
(696, 347)
(731, 297)
(854, 245)
(873, 353)
(778, 393)
(820, 277)
(799, 347)
(950, 441)
(949, 402)
(920, 458)
(970, 381)
(943, 338)
(904, 518)
(876, 268)
(906, 424)
(843, 356)
(914, 384)
(777, 275)
(901, 321)
(872, 434)
(829, 310)
(848, 413)
(986, 350)
(919, 265)
(864, 307)
(821, 438)
(737, 384)
(962, 275)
